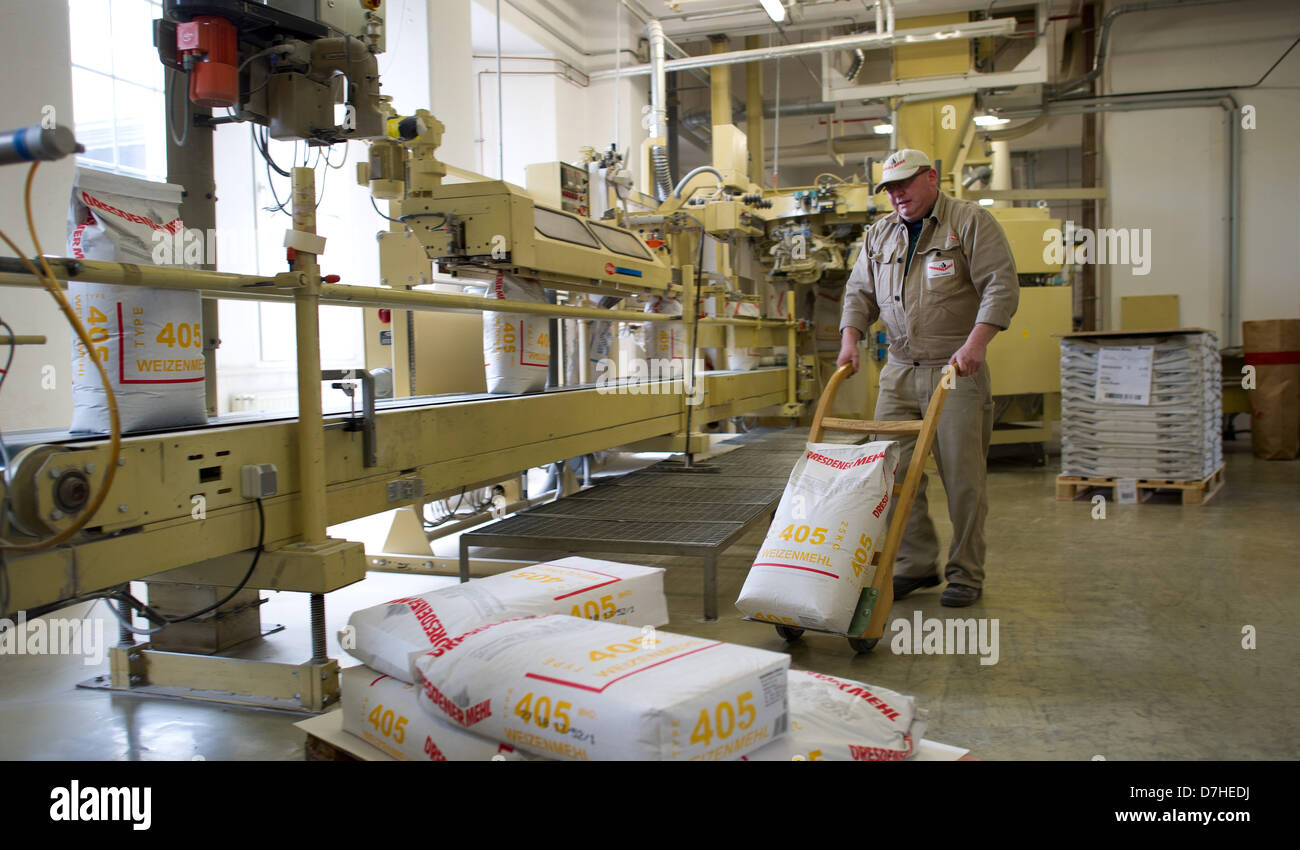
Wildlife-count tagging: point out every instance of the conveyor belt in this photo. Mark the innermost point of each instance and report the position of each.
(336, 405)
(663, 509)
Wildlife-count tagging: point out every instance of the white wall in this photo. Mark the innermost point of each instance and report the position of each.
(36, 41)
(451, 80)
(1165, 169)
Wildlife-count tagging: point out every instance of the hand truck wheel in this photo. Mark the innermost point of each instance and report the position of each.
(863, 644)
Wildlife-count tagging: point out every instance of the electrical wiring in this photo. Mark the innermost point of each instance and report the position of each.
(381, 212)
(403, 219)
(346, 150)
(125, 619)
(695, 327)
(270, 183)
(4, 373)
(257, 555)
(115, 439)
(261, 143)
(124, 596)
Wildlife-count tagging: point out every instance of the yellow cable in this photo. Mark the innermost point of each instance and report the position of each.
(48, 280)
(828, 174)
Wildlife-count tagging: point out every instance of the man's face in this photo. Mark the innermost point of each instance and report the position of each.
(915, 195)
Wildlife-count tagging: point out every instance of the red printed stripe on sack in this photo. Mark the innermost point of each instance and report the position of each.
(434, 630)
(861, 753)
(843, 464)
(170, 227)
(855, 690)
(465, 717)
(796, 567)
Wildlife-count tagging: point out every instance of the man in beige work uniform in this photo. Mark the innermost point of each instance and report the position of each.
(939, 273)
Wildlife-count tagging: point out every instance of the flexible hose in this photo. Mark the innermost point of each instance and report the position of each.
(79, 329)
(663, 176)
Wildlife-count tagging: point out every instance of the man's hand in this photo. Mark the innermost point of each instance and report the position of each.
(968, 359)
(849, 348)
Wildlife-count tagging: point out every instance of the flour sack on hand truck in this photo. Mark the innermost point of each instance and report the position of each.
(816, 557)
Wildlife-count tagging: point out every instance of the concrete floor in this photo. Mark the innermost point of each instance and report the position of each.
(1119, 637)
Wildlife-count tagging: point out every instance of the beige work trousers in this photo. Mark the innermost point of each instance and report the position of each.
(961, 446)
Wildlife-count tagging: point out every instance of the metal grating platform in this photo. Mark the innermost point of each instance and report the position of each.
(645, 511)
(587, 532)
(659, 495)
(661, 510)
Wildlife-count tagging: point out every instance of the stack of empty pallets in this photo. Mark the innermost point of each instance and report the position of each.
(1162, 435)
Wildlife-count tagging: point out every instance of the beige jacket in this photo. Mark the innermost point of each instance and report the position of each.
(962, 274)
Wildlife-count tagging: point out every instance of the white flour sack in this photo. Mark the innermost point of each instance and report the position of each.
(386, 714)
(842, 720)
(741, 357)
(581, 690)
(827, 311)
(384, 636)
(149, 340)
(665, 340)
(516, 346)
(816, 557)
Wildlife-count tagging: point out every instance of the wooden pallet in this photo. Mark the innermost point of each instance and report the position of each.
(1070, 487)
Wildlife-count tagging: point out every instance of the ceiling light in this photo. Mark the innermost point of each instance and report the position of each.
(883, 129)
(990, 121)
(775, 10)
(986, 202)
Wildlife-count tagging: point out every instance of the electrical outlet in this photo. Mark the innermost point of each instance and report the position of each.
(259, 480)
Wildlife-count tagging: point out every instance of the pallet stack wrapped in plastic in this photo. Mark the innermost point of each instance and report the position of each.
(1177, 435)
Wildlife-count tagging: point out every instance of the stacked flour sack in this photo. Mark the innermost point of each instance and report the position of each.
(1142, 406)
(562, 661)
(379, 698)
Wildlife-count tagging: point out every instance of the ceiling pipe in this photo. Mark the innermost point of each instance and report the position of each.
(1099, 59)
(738, 116)
(866, 41)
(663, 179)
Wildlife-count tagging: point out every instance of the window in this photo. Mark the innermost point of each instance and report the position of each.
(562, 226)
(117, 86)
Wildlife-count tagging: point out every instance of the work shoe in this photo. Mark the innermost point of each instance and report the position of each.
(904, 586)
(959, 595)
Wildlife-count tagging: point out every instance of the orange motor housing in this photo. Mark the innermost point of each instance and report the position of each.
(214, 42)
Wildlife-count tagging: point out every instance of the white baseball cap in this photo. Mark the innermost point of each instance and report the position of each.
(901, 165)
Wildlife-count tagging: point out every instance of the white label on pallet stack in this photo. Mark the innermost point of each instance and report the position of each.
(842, 720)
(586, 691)
(1124, 374)
(386, 635)
(385, 713)
(812, 566)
